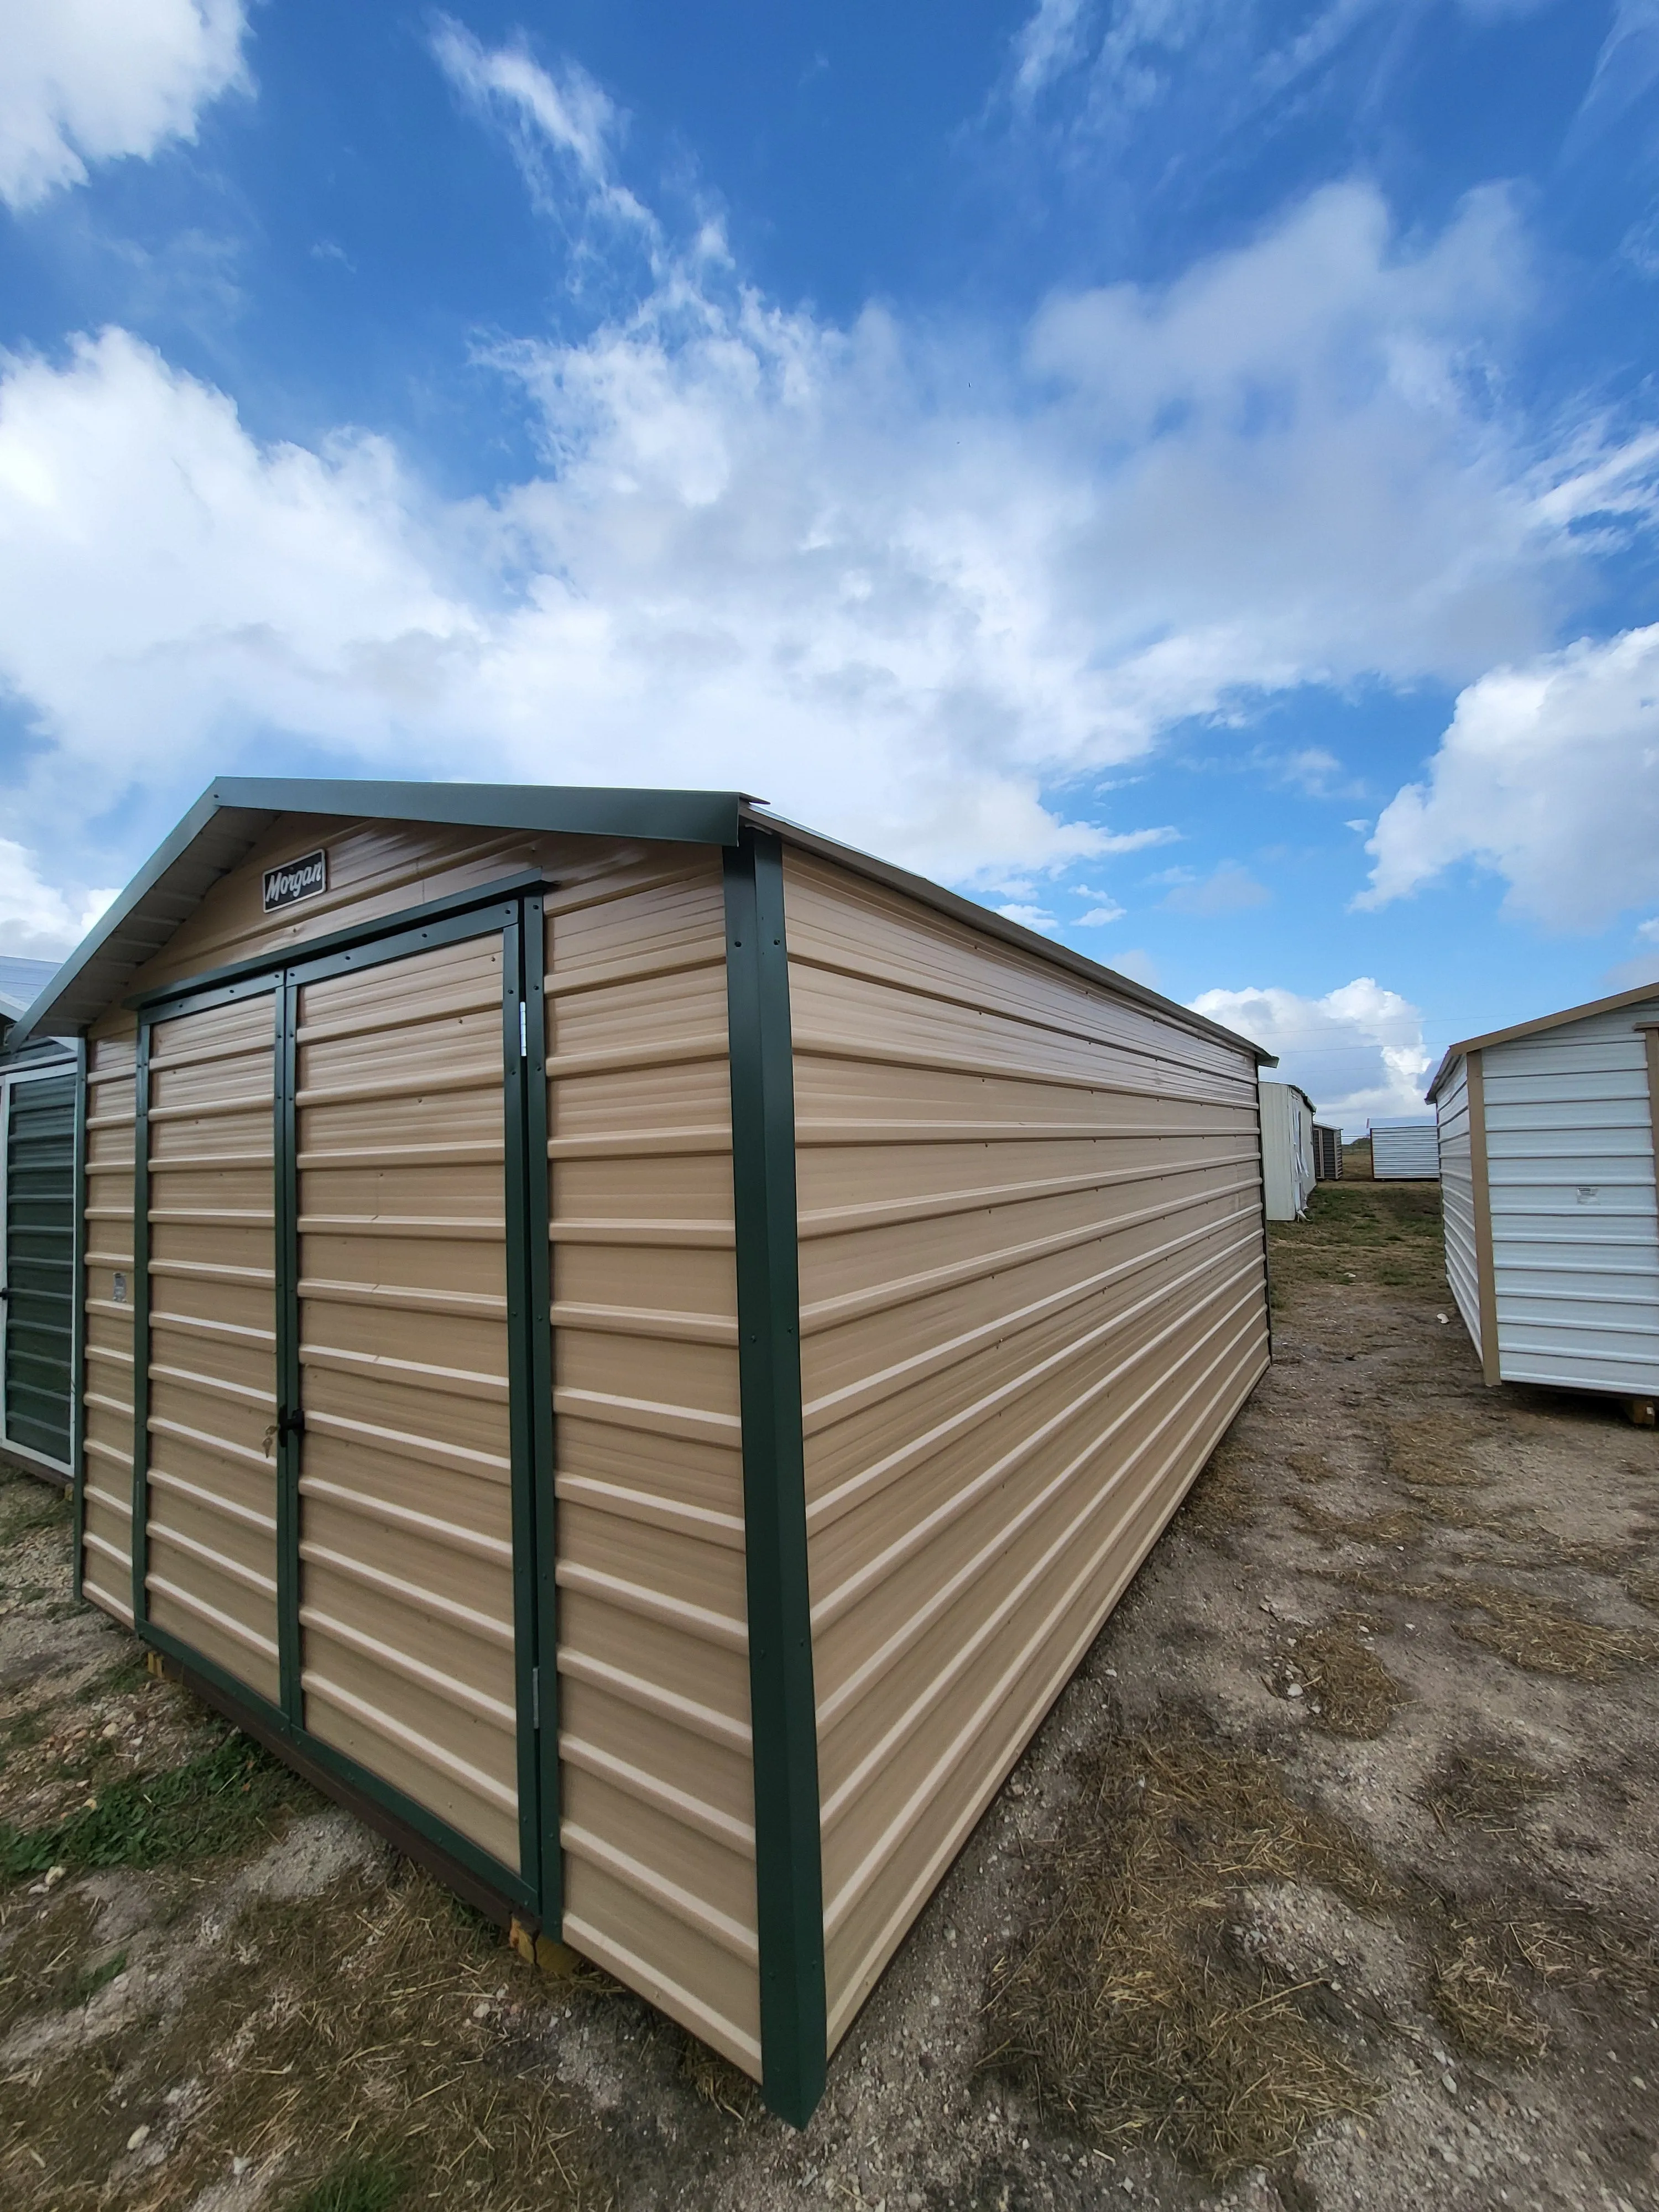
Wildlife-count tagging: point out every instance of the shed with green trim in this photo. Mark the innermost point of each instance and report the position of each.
(639, 1346)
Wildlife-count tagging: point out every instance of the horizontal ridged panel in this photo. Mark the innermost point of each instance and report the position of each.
(408, 1649)
(211, 1555)
(1017, 1351)
(656, 1778)
(1457, 1199)
(106, 1384)
(1575, 1225)
(37, 1386)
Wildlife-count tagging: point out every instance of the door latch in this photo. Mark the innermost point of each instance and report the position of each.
(287, 1423)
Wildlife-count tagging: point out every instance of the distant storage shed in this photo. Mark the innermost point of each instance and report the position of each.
(1327, 1153)
(1287, 1150)
(1547, 1137)
(1404, 1151)
(38, 1304)
(639, 1346)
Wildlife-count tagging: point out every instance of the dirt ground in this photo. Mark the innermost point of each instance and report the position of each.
(1330, 1882)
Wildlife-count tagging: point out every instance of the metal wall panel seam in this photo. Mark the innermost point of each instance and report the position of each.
(140, 1329)
(829, 1313)
(868, 1481)
(789, 1877)
(78, 1354)
(285, 1015)
(1485, 1265)
(825, 1045)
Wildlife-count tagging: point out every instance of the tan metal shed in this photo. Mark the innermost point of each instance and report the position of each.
(639, 1346)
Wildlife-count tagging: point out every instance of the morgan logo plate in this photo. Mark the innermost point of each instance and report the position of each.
(295, 880)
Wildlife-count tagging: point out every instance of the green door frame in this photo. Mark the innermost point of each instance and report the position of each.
(536, 1889)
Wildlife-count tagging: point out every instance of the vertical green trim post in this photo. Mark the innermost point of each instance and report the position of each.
(521, 1431)
(290, 1401)
(539, 1307)
(78, 1319)
(141, 1328)
(789, 1868)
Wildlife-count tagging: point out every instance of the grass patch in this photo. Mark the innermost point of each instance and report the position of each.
(356, 2185)
(340, 2034)
(1429, 1454)
(1479, 2000)
(1383, 1234)
(1224, 1499)
(1644, 1586)
(1121, 2011)
(38, 1967)
(1396, 1527)
(1548, 1640)
(128, 1675)
(1473, 1791)
(223, 1800)
(27, 1507)
(87, 1984)
(1347, 1690)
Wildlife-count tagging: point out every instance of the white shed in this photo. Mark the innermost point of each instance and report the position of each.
(1548, 1141)
(1287, 1153)
(1405, 1150)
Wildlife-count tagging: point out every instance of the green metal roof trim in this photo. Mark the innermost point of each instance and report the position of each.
(231, 815)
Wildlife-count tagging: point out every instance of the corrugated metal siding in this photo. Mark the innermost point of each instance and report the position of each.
(1287, 1157)
(107, 1500)
(1032, 1299)
(1404, 1154)
(1575, 1229)
(406, 1591)
(210, 1576)
(374, 868)
(37, 1399)
(657, 1782)
(1457, 1199)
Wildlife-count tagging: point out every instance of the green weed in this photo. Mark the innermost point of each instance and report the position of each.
(366, 2183)
(216, 1802)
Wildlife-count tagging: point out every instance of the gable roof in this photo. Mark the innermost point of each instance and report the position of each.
(1454, 1052)
(234, 813)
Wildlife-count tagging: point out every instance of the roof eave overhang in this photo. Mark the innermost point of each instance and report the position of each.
(234, 812)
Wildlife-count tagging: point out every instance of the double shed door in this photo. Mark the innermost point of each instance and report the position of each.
(334, 1460)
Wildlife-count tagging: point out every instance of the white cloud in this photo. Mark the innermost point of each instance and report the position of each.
(761, 551)
(1357, 1051)
(1099, 916)
(36, 921)
(567, 114)
(1032, 917)
(1548, 775)
(85, 80)
(1046, 45)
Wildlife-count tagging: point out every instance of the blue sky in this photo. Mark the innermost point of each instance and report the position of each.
(1182, 470)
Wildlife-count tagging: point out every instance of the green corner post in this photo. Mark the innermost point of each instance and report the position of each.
(788, 1870)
